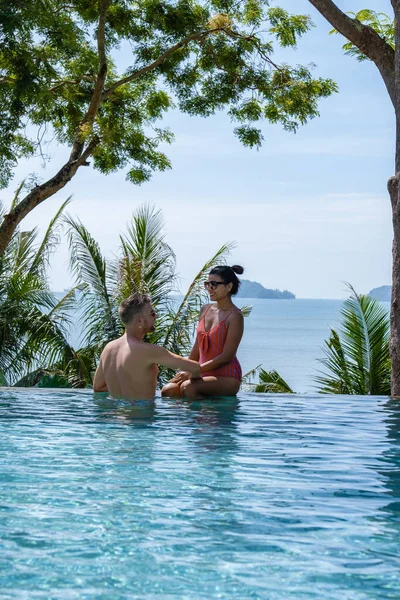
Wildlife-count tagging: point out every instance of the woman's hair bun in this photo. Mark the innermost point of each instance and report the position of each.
(237, 269)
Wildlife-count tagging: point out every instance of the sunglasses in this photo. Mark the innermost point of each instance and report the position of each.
(213, 284)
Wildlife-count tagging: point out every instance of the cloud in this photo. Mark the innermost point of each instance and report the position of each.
(208, 144)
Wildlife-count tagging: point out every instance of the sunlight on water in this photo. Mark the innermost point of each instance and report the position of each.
(261, 497)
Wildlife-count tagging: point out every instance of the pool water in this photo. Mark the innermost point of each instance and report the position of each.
(266, 496)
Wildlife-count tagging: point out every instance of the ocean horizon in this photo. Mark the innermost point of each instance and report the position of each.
(285, 335)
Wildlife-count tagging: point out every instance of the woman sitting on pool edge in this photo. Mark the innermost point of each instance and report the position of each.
(219, 332)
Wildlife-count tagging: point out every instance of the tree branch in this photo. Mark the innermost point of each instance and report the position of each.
(366, 40)
(193, 36)
(99, 85)
(70, 82)
(40, 193)
(6, 79)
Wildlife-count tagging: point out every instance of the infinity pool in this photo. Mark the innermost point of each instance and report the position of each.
(267, 496)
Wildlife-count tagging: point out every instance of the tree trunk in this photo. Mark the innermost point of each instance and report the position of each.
(41, 193)
(394, 191)
(377, 50)
(33, 199)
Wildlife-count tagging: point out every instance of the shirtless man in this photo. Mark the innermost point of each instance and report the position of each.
(128, 365)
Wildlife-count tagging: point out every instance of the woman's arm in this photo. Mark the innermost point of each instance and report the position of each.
(233, 338)
(194, 353)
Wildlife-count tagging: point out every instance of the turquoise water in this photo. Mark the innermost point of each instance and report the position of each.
(264, 497)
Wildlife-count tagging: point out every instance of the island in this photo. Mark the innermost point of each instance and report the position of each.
(382, 293)
(253, 289)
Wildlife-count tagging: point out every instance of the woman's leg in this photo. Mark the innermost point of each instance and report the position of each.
(171, 390)
(210, 386)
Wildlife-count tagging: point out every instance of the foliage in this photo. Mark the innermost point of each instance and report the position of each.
(97, 285)
(380, 22)
(272, 382)
(33, 322)
(34, 350)
(357, 357)
(144, 263)
(60, 76)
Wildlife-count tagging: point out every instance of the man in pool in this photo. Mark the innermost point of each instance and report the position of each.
(128, 365)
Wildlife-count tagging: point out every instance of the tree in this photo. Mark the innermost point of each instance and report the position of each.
(356, 355)
(33, 321)
(59, 77)
(144, 263)
(376, 44)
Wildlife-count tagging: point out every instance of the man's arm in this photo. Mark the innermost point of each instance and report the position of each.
(161, 356)
(99, 382)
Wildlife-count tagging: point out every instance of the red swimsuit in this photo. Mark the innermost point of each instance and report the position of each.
(211, 344)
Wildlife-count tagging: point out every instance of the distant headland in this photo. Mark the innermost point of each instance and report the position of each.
(253, 289)
(382, 293)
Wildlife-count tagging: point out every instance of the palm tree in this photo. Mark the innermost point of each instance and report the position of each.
(33, 322)
(144, 263)
(357, 357)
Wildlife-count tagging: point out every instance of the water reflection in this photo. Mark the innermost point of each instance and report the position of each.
(221, 412)
(391, 456)
(139, 412)
(213, 421)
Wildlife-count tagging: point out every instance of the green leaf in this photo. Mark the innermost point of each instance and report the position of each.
(272, 382)
(380, 22)
(357, 357)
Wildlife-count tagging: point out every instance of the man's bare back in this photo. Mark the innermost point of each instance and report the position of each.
(127, 369)
(128, 366)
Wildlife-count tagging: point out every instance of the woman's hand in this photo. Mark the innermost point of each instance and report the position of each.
(180, 377)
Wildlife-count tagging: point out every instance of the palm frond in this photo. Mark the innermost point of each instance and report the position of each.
(98, 306)
(25, 251)
(17, 193)
(357, 357)
(246, 310)
(272, 382)
(31, 379)
(50, 241)
(3, 380)
(246, 378)
(147, 264)
(33, 322)
(183, 320)
(340, 381)
(80, 368)
(61, 312)
(248, 383)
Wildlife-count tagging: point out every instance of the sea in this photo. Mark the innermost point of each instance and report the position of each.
(288, 336)
(285, 335)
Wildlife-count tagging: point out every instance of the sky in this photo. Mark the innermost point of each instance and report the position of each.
(307, 212)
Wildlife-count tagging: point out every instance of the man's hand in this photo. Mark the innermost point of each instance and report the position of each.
(180, 377)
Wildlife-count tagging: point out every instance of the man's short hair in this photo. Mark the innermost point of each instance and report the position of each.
(131, 307)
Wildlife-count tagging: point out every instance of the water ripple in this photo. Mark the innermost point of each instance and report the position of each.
(261, 497)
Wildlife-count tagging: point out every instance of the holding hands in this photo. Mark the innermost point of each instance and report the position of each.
(180, 377)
